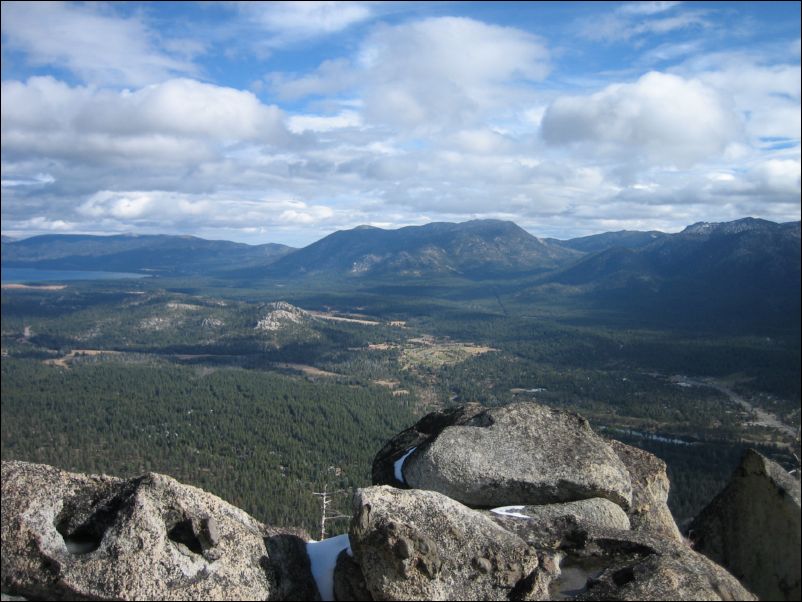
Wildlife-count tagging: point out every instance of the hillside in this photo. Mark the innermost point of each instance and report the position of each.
(157, 254)
(745, 272)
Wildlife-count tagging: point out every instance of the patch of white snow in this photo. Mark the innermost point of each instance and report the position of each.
(399, 466)
(509, 511)
(323, 558)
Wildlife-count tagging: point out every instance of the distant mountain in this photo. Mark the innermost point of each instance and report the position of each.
(158, 254)
(746, 270)
(625, 239)
(5, 238)
(475, 249)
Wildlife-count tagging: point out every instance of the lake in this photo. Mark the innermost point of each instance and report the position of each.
(23, 275)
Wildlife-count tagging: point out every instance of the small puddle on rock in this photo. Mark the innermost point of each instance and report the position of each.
(574, 575)
(80, 546)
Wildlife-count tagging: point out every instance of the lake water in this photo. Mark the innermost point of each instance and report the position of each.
(25, 275)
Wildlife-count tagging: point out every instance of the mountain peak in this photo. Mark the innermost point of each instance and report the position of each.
(479, 248)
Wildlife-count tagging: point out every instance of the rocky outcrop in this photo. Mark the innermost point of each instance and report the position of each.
(67, 536)
(421, 545)
(753, 528)
(516, 454)
(281, 314)
(649, 512)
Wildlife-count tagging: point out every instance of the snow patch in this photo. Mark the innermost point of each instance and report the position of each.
(509, 511)
(323, 558)
(399, 466)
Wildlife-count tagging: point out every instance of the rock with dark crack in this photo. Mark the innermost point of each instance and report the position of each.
(522, 453)
(349, 582)
(550, 526)
(76, 536)
(290, 569)
(649, 511)
(753, 528)
(421, 545)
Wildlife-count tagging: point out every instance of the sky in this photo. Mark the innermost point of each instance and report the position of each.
(285, 121)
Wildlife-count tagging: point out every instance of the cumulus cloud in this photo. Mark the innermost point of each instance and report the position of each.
(671, 119)
(430, 73)
(431, 119)
(181, 209)
(177, 120)
(90, 41)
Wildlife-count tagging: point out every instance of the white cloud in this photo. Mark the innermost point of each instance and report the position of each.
(640, 21)
(769, 95)
(427, 120)
(177, 121)
(646, 8)
(294, 21)
(671, 119)
(331, 77)
(323, 123)
(180, 210)
(431, 73)
(670, 52)
(88, 40)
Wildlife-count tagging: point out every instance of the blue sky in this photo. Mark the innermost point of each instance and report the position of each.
(282, 122)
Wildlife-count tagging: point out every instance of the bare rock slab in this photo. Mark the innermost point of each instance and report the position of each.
(753, 528)
(649, 512)
(75, 536)
(522, 453)
(421, 545)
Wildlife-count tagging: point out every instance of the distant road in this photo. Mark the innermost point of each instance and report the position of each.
(763, 417)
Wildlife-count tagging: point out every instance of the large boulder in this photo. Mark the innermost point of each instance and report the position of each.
(521, 453)
(649, 511)
(753, 528)
(75, 536)
(421, 545)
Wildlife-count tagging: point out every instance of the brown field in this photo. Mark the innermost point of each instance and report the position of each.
(65, 361)
(306, 369)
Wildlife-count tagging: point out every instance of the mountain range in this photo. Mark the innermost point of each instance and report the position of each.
(745, 268)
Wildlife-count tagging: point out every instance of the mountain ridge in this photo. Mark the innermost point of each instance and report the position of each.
(159, 253)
